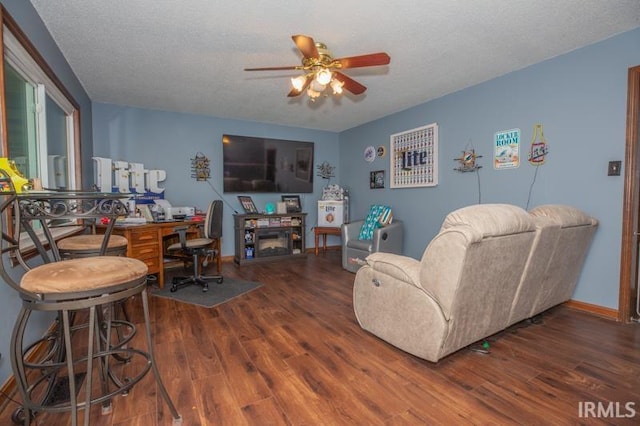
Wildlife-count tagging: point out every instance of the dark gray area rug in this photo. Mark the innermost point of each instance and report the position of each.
(217, 294)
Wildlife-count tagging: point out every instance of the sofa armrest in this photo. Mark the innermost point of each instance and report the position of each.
(388, 238)
(351, 230)
(400, 267)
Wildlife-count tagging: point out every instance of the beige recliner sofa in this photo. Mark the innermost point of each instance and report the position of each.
(563, 237)
(470, 278)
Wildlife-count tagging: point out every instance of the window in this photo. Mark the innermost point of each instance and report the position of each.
(41, 117)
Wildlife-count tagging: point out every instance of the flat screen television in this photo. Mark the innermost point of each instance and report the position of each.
(253, 164)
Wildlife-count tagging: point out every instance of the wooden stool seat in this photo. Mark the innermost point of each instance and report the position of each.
(88, 245)
(91, 242)
(93, 275)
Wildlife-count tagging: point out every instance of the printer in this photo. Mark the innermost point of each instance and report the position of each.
(172, 213)
(180, 212)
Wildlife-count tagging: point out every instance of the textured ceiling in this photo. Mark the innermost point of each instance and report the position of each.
(189, 55)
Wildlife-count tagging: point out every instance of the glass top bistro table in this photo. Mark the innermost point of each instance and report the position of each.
(83, 293)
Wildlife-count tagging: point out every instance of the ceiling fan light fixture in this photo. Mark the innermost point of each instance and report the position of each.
(321, 69)
(313, 94)
(298, 82)
(317, 86)
(324, 76)
(336, 85)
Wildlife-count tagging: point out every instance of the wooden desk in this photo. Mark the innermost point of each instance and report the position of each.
(324, 231)
(146, 243)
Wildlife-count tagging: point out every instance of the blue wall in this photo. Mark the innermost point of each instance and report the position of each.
(580, 98)
(25, 15)
(168, 141)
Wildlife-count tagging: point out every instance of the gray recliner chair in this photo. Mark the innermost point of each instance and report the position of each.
(388, 239)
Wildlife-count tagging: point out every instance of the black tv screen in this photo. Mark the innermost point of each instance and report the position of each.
(253, 164)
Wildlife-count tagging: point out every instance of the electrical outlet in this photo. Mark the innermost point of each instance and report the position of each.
(614, 168)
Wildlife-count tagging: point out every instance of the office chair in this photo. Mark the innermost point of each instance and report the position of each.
(207, 245)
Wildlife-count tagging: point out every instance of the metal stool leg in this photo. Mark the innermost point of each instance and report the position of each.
(103, 321)
(46, 370)
(70, 371)
(177, 420)
(18, 362)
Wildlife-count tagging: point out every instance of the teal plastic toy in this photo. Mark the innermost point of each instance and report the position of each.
(270, 208)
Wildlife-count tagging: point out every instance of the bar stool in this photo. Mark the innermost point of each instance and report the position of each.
(88, 245)
(71, 287)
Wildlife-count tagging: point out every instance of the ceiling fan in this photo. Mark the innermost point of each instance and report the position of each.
(322, 70)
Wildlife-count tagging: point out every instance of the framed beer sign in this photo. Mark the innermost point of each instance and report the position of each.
(414, 157)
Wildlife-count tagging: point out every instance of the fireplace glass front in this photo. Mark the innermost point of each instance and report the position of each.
(272, 243)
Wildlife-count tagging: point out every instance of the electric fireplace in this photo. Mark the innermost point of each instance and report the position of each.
(272, 243)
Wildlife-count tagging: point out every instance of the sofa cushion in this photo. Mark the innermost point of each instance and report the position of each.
(488, 220)
(377, 217)
(566, 215)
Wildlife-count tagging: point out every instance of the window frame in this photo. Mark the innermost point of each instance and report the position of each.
(69, 104)
(12, 34)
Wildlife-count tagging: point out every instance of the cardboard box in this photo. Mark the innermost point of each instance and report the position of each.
(332, 213)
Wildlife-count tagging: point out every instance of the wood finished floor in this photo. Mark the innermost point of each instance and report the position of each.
(292, 353)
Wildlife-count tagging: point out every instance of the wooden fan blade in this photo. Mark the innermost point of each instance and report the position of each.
(306, 45)
(293, 67)
(295, 92)
(370, 60)
(349, 83)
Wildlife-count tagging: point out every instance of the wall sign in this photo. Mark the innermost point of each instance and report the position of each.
(414, 157)
(129, 178)
(539, 147)
(506, 147)
(369, 154)
(376, 179)
(467, 162)
(200, 167)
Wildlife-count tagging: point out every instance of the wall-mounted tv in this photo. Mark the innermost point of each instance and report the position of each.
(253, 164)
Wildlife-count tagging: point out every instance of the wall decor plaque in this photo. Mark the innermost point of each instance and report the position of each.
(414, 157)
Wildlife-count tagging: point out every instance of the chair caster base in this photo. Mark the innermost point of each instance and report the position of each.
(178, 282)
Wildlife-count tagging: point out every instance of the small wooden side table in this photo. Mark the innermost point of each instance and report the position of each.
(324, 231)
